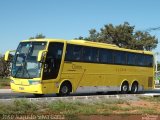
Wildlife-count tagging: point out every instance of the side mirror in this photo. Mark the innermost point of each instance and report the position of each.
(41, 56)
(8, 56)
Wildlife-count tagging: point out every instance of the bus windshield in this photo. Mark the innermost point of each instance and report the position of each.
(25, 63)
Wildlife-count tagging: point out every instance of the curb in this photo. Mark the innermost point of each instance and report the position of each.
(82, 98)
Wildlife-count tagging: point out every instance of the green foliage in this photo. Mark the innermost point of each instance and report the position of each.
(71, 109)
(4, 82)
(21, 106)
(4, 67)
(151, 99)
(38, 36)
(59, 105)
(123, 35)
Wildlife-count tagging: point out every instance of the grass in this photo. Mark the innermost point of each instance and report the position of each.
(72, 109)
(104, 107)
(151, 99)
(21, 106)
(4, 82)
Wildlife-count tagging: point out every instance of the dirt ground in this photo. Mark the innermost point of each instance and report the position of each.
(131, 114)
(120, 117)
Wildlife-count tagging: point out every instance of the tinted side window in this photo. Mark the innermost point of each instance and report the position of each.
(119, 57)
(73, 53)
(131, 58)
(87, 54)
(105, 56)
(69, 53)
(140, 60)
(77, 53)
(149, 60)
(95, 55)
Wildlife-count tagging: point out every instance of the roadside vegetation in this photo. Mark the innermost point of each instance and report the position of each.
(4, 82)
(75, 109)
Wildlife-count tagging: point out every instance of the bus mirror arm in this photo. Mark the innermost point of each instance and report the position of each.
(41, 56)
(8, 56)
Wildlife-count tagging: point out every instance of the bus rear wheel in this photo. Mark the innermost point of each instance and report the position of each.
(65, 89)
(134, 88)
(124, 88)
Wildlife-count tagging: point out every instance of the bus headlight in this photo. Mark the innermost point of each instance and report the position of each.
(11, 81)
(34, 82)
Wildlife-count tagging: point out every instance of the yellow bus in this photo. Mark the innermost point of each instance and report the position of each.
(44, 66)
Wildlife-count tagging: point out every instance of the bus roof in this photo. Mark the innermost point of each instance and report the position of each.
(43, 40)
(108, 46)
(89, 43)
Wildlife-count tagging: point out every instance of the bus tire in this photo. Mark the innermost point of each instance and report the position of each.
(38, 95)
(134, 88)
(124, 87)
(65, 89)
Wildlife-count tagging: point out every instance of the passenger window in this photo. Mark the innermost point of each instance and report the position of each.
(87, 54)
(69, 53)
(119, 57)
(73, 53)
(105, 56)
(95, 55)
(131, 58)
(140, 60)
(149, 61)
(77, 53)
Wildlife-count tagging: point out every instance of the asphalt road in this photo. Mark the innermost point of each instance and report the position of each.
(8, 94)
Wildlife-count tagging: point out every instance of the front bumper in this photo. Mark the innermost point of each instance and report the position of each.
(37, 89)
(45, 88)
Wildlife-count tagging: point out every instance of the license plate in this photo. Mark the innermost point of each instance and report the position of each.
(21, 88)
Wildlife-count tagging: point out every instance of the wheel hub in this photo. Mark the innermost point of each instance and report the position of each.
(64, 89)
(125, 88)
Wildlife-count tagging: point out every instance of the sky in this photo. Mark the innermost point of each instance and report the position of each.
(68, 19)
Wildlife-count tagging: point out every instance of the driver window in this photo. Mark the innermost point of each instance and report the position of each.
(53, 60)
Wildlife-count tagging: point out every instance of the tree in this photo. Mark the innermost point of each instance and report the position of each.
(145, 41)
(4, 67)
(123, 35)
(38, 36)
(93, 35)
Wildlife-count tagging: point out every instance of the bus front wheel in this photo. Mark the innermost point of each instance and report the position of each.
(65, 89)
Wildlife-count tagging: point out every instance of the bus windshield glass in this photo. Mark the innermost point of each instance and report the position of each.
(25, 63)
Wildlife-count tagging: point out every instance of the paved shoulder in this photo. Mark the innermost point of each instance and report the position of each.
(5, 91)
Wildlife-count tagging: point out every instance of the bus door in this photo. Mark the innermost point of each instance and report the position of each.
(53, 60)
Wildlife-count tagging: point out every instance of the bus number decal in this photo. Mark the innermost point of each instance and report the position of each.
(121, 70)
